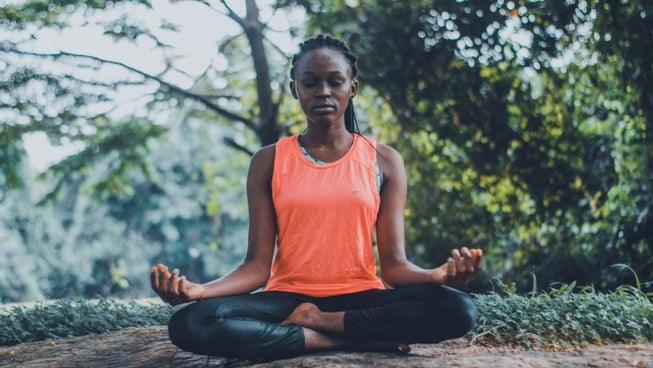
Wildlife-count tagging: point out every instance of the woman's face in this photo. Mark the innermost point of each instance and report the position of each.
(323, 85)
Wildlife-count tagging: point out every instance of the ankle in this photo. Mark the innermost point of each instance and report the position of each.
(311, 317)
(305, 315)
(316, 341)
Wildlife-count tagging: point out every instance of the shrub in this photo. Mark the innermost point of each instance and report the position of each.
(564, 316)
(65, 318)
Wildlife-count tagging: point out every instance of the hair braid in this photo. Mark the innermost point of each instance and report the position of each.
(326, 41)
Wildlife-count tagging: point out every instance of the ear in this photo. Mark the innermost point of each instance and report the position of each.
(293, 91)
(354, 88)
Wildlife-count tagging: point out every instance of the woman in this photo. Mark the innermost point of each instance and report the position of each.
(319, 197)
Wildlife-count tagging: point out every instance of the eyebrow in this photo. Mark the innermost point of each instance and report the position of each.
(308, 72)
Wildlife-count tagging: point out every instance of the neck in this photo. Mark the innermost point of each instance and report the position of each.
(326, 136)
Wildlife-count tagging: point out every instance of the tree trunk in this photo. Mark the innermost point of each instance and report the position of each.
(268, 129)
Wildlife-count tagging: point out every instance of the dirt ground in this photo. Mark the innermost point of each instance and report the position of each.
(150, 347)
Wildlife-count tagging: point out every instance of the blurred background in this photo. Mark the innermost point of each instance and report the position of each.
(126, 129)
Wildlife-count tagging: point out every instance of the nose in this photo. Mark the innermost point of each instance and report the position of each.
(323, 90)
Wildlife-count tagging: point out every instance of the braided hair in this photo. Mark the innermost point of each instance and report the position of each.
(326, 41)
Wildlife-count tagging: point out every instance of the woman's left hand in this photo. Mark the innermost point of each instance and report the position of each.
(461, 268)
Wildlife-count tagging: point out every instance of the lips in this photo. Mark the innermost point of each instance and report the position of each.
(323, 107)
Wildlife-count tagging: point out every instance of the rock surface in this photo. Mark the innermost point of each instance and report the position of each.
(150, 347)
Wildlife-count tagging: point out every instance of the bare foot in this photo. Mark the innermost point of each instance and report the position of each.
(301, 315)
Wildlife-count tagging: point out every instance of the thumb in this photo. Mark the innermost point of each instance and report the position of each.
(183, 285)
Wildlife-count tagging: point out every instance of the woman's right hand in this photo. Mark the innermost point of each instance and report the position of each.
(172, 288)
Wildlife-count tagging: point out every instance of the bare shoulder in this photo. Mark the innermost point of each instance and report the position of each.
(262, 163)
(386, 149)
(392, 167)
(265, 153)
(263, 157)
(389, 158)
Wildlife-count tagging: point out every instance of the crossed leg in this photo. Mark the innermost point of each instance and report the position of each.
(326, 331)
(278, 324)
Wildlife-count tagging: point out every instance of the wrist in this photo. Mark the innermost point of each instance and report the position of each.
(204, 292)
(439, 275)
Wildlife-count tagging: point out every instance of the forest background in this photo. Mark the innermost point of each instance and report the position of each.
(526, 128)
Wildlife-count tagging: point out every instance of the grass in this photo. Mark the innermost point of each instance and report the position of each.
(566, 316)
(64, 318)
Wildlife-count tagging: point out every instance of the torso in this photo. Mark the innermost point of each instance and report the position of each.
(326, 213)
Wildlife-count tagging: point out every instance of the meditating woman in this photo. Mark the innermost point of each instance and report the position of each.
(319, 198)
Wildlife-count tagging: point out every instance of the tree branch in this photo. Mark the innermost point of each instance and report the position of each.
(171, 87)
(232, 143)
(233, 15)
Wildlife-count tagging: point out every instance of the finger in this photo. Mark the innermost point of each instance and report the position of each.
(162, 270)
(154, 278)
(459, 261)
(478, 259)
(456, 275)
(164, 280)
(451, 268)
(173, 287)
(184, 287)
(455, 254)
(468, 259)
(181, 295)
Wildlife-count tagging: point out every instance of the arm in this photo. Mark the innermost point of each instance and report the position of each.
(254, 271)
(396, 270)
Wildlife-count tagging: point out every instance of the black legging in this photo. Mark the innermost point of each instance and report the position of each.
(247, 326)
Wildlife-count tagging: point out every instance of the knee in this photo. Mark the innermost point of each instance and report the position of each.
(465, 313)
(196, 330)
(180, 329)
(469, 311)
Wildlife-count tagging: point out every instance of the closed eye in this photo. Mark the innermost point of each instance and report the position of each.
(309, 83)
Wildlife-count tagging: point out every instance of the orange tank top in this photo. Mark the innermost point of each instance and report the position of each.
(326, 215)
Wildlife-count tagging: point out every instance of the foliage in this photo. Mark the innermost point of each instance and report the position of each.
(40, 13)
(41, 245)
(564, 316)
(77, 96)
(73, 317)
(157, 178)
(524, 132)
(82, 109)
(526, 129)
(192, 212)
(189, 212)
